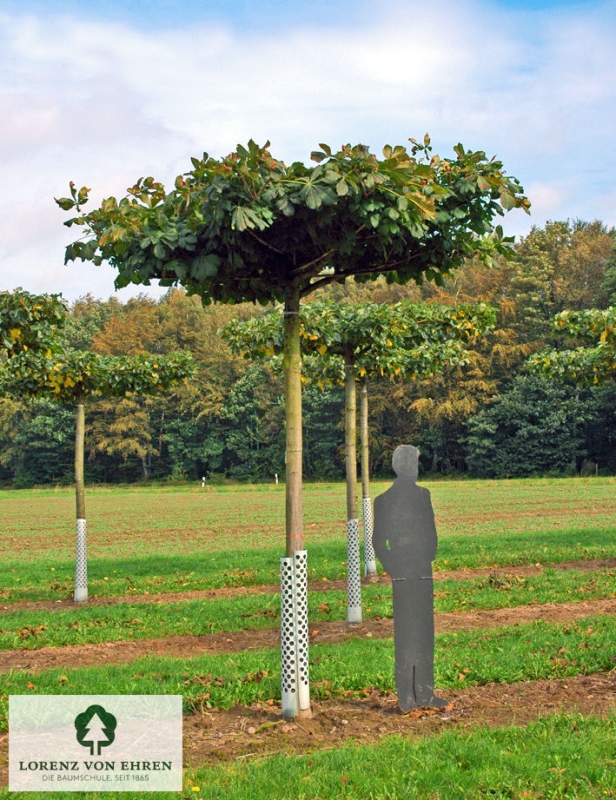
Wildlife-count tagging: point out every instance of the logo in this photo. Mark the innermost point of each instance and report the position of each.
(95, 743)
(95, 729)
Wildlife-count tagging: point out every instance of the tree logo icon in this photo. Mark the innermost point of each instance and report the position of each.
(95, 729)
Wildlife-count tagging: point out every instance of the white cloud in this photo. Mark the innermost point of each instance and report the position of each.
(102, 103)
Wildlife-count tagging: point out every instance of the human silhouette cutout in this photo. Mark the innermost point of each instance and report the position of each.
(405, 541)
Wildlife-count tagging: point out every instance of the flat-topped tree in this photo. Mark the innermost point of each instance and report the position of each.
(69, 377)
(248, 227)
(594, 361)
(347, 344)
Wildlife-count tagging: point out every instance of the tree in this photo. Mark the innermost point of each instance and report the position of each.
(563, 265)
(248, 227)
(534, 427)
(347, 345)
(585, 365)
(51, 370)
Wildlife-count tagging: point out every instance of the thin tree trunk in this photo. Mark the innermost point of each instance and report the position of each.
(80, 494)
(353, 560)
(295, 682)
(365, 446)
(81, 554)
(350, 412)
(292, 362)
(369, 555)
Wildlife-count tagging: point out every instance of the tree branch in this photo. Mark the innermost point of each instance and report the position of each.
(307, 268)
(266, 244)
(379, 268)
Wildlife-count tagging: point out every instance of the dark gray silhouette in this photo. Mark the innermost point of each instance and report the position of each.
(405, 541)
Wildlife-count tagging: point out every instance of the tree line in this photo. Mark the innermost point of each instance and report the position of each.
(489, 417)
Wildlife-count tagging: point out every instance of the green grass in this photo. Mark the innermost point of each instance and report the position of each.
(353, 668)
(202, 539)
(134, 621)
(560, 756)
(47, 578)
(185, 520)
(556, 757)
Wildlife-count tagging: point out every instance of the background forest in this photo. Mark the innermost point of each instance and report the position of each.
(491, 418)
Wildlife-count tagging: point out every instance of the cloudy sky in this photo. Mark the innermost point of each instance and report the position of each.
(104, 92)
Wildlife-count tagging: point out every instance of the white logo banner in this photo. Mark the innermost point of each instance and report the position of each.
(85, 743)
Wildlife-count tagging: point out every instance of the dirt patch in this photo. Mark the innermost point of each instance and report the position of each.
(314, 586)
(212, 736)
(123, 652)
(246, 732)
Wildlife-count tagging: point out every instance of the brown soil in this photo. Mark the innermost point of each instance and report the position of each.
(316, 586)
(214, 736)
(324, 633)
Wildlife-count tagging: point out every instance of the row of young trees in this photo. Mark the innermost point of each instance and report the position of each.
(490, 416)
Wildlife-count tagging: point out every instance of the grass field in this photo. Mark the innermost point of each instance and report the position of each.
(168, 565)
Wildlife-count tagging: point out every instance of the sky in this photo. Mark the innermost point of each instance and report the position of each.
(102, 93)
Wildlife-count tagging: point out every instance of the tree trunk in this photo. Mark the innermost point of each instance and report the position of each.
(350, 428)
(292, 363)
(81, 553)
(353, 560)
(80, 494)
(369, 555)
(365, 446)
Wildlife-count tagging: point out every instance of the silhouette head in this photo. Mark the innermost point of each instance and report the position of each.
(405, 461)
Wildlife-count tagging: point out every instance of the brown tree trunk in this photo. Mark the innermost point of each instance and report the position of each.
(80, 494)
(350, 427)
(369, 555)
(365, 445)
(354, 614)
(81, 550)
(292, 363)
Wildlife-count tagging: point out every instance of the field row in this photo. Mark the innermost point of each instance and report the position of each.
(463, 658)
(198, 616)
(181, 521)
(44, 578)
(33, 629)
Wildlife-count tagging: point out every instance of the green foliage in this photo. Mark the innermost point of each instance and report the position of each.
(322, 411)
(533, 428)
(585, 365)
(71, 376)
(188, 427)
(561, 266)
(41, 364)
(29, 322)
(40, 443)
(378, 338)
(87, 318)
(247, 226)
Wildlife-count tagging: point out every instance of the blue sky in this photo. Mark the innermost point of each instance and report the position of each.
(104, 92)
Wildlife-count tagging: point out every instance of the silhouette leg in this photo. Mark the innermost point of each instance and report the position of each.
(414, 643)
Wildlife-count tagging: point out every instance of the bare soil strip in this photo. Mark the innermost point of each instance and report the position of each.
(217, 736)
(214, 736)
(123, 652)
(316, 586)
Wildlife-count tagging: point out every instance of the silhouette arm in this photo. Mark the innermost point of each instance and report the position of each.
(380, 538)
